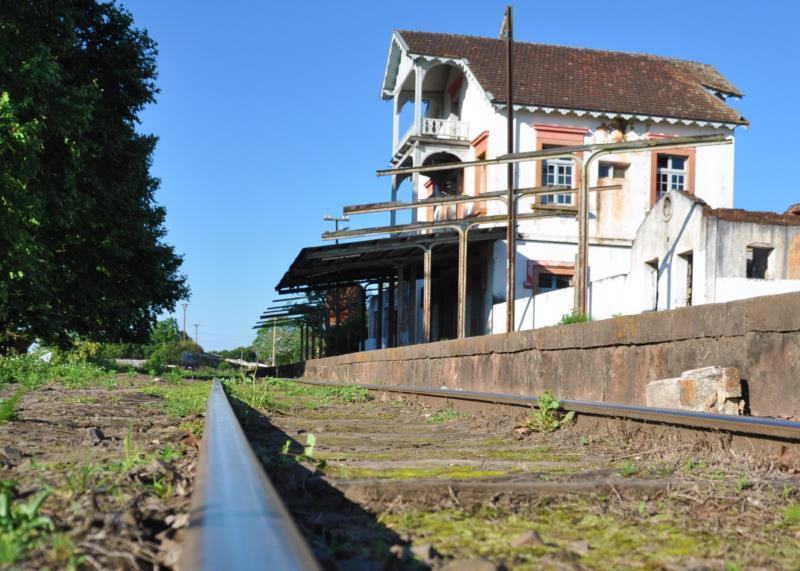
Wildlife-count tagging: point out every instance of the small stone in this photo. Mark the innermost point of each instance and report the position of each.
(425, 552)
(399, 551)
(579, 548)
(177, 521)
(94, 436)
(10, 456)
(470, 565)
(530, 538)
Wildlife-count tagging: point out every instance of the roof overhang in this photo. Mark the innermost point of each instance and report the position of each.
(337, 265)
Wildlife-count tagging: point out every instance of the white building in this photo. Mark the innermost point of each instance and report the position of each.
(667, 236)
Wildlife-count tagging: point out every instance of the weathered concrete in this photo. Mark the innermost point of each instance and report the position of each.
(710, 389)
(610, 360)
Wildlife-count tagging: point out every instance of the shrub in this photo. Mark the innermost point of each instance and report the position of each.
(574, 317)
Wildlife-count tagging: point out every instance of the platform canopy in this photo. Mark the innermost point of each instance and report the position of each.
(338, 265)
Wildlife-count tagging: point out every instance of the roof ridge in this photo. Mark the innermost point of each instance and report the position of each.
(563, 46)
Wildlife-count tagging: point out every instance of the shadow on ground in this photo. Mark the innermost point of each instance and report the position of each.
(342, 534)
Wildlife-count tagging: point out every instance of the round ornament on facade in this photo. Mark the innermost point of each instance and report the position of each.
(666, 209)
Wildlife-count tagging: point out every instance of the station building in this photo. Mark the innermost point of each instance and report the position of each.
(663, 232)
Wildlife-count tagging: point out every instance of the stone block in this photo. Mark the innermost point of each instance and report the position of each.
(710, 389)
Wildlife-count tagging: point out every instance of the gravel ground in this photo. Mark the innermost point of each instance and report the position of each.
(393, 485)
(116, 471)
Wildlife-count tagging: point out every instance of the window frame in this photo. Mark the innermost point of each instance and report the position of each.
(690, 166)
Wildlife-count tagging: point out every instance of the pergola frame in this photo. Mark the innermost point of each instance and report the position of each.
(595, 151)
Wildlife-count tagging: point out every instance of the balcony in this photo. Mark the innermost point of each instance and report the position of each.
(443, 129)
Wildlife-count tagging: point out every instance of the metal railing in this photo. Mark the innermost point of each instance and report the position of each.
(237, 520)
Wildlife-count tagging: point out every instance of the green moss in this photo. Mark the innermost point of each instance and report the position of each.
(444, 415)
(437, 472)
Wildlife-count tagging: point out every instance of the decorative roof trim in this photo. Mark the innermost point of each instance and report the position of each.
(626, 116)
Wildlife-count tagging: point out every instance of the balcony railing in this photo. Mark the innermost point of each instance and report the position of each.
(439, 128)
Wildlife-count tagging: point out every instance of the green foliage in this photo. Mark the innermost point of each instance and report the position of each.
(791, 515)
(547, 417)
(21, 526)
(81, 237)
(574, 317)
(8, 407)
(31, 372)
(444, 415)
(256, 395)
(287, 344)
(186, 399)
(741, 483)
(627, 469)
(170, 354)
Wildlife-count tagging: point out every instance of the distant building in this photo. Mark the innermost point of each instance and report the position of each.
(665, 238)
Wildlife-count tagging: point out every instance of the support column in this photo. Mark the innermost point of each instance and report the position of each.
(302, 348)
(393, 213)
(396, 120)
(419, 73)
(427, 263)
(379, 324)
(400, 302)
(582, 265)
(416, 160)
(392, 341)
(462, 282)
(412, 304)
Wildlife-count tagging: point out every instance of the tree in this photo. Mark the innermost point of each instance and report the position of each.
(165, 331)
(287, 344)
(81, 238)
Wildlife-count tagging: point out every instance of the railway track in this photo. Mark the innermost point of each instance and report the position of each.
(374, 479)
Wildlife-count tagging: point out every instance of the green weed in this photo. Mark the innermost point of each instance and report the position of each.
(21, 526)
(574, 317)
(8, 407)
(741, 483)
(444, 415)
(627, 469)
(547, 417)
(186, 399)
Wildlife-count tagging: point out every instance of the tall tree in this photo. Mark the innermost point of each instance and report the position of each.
(82, 246)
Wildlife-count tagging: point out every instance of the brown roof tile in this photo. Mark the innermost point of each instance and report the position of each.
(759, 217)
(586, 79)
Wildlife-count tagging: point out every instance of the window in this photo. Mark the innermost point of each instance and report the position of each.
(758, 262)
(670, 173)
(549, 282)
(611, 170)
(557, 172)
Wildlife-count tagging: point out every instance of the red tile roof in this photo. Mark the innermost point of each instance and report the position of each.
(586, 79)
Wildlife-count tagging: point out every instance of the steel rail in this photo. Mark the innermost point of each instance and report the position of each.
(773, 428)
(237, 519)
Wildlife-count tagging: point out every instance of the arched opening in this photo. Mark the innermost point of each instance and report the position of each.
(448, 182)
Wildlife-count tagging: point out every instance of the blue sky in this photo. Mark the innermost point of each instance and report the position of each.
(269, 115)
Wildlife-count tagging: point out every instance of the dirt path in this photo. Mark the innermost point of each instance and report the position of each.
(391, 485)
(116, 470)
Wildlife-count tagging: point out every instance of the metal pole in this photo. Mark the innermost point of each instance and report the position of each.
(427, 264)
(185, 306)
(400, 312)
(379, 325)
(196, 325)
(412, 305)
(392, 341)
(274, 339)
(511, 227)
(582, 287)
(462, 282)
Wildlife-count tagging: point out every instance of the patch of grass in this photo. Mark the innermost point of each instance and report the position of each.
(8, 407)
(627, 469)
(444, 415)
(547, 416)
(31, 372)
(81, 400)
(791, 515)
(256, 395)
(186, 399)
(321, 395)
(22, 528)
(574, 317)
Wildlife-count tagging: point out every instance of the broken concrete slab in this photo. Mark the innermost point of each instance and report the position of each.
(709, 389)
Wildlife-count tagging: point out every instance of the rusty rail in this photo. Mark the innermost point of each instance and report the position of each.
(237, 520)
(769, 428)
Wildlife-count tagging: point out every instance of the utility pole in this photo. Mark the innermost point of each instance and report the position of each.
(185, 306)
(507, 31)
(196, 325)
(274, 333)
